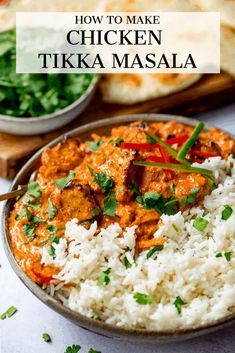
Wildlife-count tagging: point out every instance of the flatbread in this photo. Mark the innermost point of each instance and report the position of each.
(227, 49)
(133, 88)
(225, 7)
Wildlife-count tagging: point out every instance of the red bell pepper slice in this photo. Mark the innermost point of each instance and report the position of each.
(155, 159)
(147, 146)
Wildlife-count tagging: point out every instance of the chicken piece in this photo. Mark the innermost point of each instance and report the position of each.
(57, 161)
(74, 201)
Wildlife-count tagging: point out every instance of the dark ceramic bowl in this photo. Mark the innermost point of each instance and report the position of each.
(133, 335)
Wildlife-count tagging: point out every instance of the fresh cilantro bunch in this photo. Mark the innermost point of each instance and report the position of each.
(31, 95)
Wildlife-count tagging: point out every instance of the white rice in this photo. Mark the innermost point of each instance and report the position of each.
(186, 267)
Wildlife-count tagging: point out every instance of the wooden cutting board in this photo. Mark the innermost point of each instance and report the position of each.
(210, 92)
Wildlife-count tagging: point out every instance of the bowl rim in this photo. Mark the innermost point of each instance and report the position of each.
(68, 108)
(89, 324)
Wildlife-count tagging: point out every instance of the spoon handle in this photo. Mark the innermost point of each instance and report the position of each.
(11, 195)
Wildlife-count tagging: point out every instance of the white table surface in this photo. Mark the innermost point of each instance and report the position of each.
(22, 333)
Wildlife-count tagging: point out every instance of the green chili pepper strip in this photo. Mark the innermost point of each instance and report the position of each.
(181, 156)
(180, 167)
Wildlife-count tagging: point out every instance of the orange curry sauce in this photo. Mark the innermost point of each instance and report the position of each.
(82, 195)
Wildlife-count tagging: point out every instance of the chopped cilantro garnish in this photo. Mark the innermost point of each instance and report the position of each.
(227, 212)
(24, 213)
(51, 209)
(228, 255)
(8, 313)
(94, 145)
(118, 142)
(153, 250)
(172, 190)
(104, 277)
(110, 204)
(134, 188)
(106, 183)
(143, 299)
(178, 304)
(29, 230)
(34, 190)
(61, 183)
(46, 337)
(75, 348)
(56, 240)
(152, 200)
(35, 207)
(171, 207)
(195, 191)
(53, 229)
(200, 224)
(96, 211)
(151, 139)
(91, 350)
(37, 219)
(127, 263)
(96, 317)
(219, 254)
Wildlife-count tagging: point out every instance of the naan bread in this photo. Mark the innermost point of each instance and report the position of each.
(227, 49)
(225, 7)
(133, 88)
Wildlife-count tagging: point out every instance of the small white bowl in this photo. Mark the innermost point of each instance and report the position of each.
(50, 122)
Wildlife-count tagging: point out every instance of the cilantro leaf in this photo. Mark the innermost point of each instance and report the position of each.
(219, 254)
(178, 304)
(46, 337)
(91, 350)
(152, 251)
(127, 263)
(104, 278)
(96, 317)
(200, 224)
(94, 146)
(227, 213)
(37, 219)
(134, 188)
(104, 182)
(34, 190)
(151, 139)
(24, 213)
(75, 348)
(96, 211)
(8, 313)
(143, 299)
(118, 142)
(171, 207)
(61, 183)
(53, 229)
(195, 191)
(152, 200)
(51, 209)
(29, 230)
(110, 204)
(56, 240)
(228, 255)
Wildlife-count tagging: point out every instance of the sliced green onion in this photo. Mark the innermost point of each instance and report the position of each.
(181, 156)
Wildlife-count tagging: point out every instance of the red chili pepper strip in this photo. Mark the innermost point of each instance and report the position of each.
(155, 159)
(204, 154)
(166, 159)
(138, 146)
(196, 160)
(179, 140)
(147, 146)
